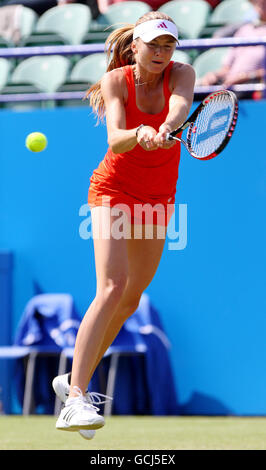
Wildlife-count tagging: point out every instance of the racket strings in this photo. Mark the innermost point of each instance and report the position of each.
(212, 125)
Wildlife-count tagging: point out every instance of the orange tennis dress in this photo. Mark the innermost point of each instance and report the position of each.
(141, 183)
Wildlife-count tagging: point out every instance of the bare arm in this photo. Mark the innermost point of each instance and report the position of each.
(211, 78)
(120, 139)
(183, 81)
(244, 77)
(182, 97)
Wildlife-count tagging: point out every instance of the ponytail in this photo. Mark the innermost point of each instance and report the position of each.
(119, 54)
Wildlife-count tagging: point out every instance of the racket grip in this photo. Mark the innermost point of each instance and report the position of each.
(169, 136)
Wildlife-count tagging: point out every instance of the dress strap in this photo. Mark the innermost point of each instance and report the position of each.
(167, 92)
(128, 74)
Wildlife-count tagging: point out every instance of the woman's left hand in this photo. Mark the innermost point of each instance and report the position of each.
(161, 139)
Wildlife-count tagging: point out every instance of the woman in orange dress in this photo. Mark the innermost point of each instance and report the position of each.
(143, 96)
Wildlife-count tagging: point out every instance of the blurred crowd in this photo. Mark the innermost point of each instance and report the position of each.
(96, 6)
(241, 64)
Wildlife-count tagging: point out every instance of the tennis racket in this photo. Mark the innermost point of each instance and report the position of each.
(210, 126)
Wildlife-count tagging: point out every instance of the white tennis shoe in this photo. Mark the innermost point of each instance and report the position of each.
(78, 414)
(61, 386)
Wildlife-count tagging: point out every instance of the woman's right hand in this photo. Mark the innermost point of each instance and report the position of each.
(146, 138)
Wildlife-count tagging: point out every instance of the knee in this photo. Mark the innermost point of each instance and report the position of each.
(129, 306)
(112, 292)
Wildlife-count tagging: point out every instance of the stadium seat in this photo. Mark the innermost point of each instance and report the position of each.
(87, 71)
(181, 56)
(190, 16)
(65, 24)
(28, 22)
(10, 88)
(117, 14)
(5, 43)
(48, 324)
(45, 72)
(43, 39)
(98, 33)
(36, 75)
(209, 61)
(5, 67)
(124, 12)
(230, 12)
(90, 69)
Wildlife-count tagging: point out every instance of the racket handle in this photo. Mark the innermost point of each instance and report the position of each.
(169, 136)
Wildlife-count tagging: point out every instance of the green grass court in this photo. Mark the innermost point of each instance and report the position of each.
(139, 433)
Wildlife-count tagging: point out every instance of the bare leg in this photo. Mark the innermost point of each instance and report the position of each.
(124, 268)
(112, 272)
(143, 258)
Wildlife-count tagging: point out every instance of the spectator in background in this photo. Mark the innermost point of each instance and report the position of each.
(10, 30)
(243, 64)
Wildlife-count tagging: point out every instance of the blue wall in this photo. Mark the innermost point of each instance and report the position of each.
(211, 295)
(6, 275)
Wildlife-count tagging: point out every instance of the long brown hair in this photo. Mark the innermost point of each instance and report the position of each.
(119, 54)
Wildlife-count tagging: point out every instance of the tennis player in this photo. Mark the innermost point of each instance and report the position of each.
(143, 96)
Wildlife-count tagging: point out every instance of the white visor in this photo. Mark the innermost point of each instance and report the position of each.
(149, 30)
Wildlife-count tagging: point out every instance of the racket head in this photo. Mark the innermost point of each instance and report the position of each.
(213, 124)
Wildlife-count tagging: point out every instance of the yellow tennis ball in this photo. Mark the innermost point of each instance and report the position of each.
(36, 142)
